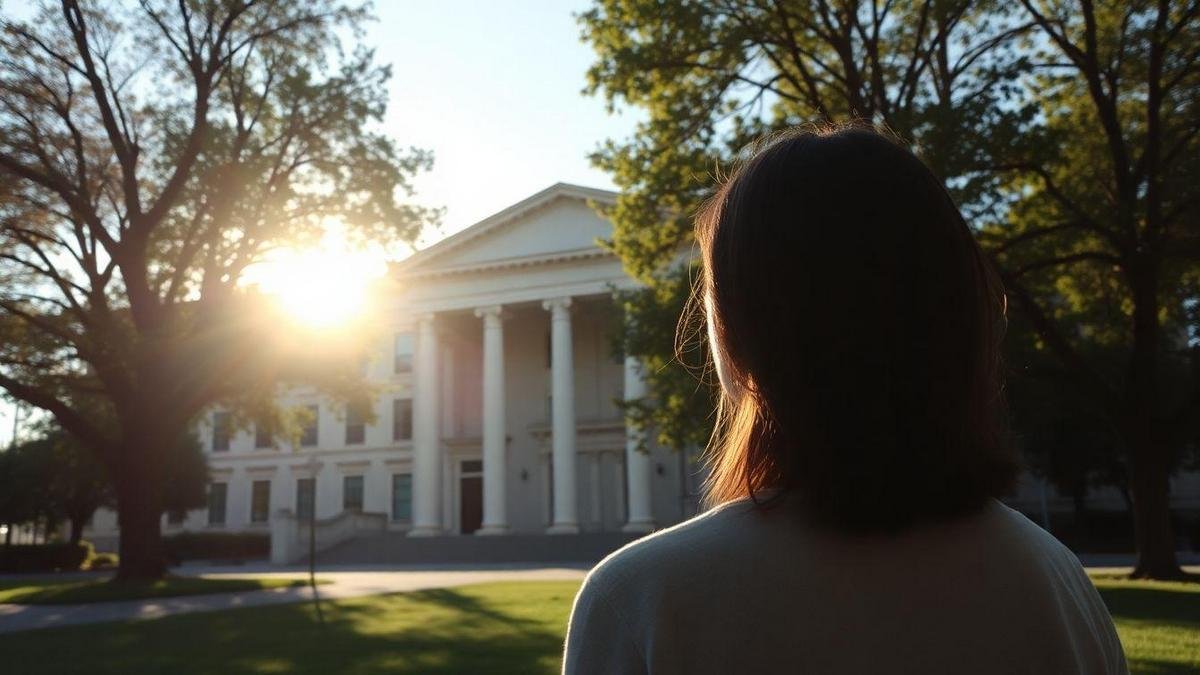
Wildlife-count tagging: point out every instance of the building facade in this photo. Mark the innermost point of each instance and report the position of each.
(497, 407)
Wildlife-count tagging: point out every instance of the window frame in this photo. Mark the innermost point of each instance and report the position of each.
(347, 480)
(397, 406)
(395, 514)
(265, 513)
(213, 488)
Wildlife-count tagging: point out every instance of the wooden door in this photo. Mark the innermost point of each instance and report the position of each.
(471, 503)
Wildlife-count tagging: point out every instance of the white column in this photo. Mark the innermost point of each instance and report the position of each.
(637, 458)
(427, 462)
(562, 390)
(495, 517)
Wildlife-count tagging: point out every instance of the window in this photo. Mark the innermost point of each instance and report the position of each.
(216, 503)
(403, 353)
(175, 517)
(402, 496)
(306, 498)
(263, 437)
(472, 466)
(221, 431)
(549, 349)
(402, 418)
(260, 501)
(352, 493)
(356, 429)
(308, 437)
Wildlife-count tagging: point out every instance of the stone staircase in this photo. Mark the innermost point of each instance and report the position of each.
(394, 548)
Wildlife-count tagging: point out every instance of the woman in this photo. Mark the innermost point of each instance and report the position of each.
(855, 326)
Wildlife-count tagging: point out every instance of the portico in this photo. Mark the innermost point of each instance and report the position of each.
(513, 359)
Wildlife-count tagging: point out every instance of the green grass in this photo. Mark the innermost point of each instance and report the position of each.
(51, 591)
(489, 628)
(1159, 623)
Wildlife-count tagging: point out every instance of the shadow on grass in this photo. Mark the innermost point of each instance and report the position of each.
(510, 628)
(1157, 605)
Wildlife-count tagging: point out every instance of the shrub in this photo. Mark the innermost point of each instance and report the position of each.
(103, 561)
(51, 557)
(216, 546)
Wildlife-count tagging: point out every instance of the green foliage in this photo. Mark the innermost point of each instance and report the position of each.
(217, 546)
(54, 557)
(1072, 151)
(150, 153)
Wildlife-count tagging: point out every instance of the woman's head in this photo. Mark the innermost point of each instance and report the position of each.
(855, 324)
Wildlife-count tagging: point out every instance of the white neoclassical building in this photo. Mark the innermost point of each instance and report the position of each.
(497, 408)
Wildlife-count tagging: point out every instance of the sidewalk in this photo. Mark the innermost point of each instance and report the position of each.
(342, 583)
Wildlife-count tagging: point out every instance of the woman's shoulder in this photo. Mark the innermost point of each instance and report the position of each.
(701, 541)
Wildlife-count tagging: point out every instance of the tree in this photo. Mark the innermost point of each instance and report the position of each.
(1067, 133)
(149, 155)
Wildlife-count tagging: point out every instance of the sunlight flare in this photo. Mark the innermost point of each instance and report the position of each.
(323, 286)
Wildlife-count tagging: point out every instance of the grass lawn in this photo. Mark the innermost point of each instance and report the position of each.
(51, 591)
(1159, 623)
(489, 628)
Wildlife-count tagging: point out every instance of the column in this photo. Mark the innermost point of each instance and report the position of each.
(427, 461)
(562, 433)
(637, 457)
(495, 517)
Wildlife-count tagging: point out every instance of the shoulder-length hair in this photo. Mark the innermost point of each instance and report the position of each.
(857, 323)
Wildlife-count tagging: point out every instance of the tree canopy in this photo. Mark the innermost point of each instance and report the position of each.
(1066, 131)
(150, 153)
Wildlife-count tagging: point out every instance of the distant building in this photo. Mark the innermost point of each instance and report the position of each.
(497, 409)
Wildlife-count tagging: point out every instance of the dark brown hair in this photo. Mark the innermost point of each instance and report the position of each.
(861, 322)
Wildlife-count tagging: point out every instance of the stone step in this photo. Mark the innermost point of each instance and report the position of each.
(395, 548)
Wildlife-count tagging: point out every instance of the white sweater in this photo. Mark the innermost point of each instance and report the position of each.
(739, 590)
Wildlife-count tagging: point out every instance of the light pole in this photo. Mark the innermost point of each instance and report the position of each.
(313, 465)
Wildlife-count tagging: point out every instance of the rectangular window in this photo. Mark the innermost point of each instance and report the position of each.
(403, 353)
(352, 493)
(216, 503)
(308, 437)
(402, 419)
(263, 437)
(472, 466)
(260, 501)
(402, 496)
(222, 430)
(356, 428)
(306, 498)
(175, 517)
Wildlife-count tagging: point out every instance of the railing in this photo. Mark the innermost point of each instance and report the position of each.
(290, 535)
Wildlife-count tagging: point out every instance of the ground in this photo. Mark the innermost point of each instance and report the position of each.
(493, 628)
(52, 591)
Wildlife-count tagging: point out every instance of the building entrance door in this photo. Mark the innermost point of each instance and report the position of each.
(470, 490)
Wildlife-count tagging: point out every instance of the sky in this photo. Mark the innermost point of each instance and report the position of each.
(493, 89)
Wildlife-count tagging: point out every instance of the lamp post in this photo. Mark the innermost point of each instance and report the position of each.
(313, 466)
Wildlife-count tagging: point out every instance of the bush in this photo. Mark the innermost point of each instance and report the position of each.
(103, 561)
(45, 557)
(216, 546)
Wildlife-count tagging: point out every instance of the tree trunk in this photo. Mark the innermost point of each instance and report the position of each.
(1152, 530)
(77, 529)
(139, 508)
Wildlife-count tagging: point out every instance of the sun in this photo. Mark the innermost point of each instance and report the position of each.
(323, 286)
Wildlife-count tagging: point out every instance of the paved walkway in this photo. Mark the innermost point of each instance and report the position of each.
(343, 583)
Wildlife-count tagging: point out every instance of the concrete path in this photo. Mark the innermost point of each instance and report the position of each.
(343, 583)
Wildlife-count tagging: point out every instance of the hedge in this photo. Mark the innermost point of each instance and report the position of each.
(216, 546)
(58, 556)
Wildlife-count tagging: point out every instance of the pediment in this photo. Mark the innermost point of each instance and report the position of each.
(557, 223)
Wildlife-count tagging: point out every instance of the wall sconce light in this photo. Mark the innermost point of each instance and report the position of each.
(660, 469)
(524, 474)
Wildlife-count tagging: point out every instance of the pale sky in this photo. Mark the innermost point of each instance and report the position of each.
(493, 89)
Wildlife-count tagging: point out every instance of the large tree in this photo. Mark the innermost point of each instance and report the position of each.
(1066, 131)
(150, 152)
